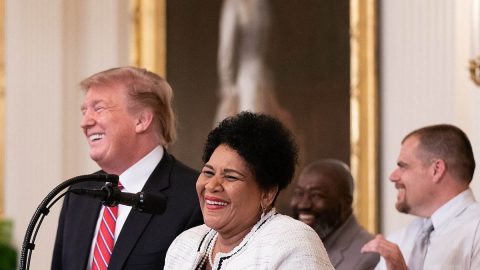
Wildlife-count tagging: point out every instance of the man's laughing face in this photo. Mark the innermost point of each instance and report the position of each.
(316, 201)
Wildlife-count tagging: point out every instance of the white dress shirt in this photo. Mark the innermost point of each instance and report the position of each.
(455, 240)
(133, 180)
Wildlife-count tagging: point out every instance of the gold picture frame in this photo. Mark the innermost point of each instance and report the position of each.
(149, 48)
(364, 110)
(2, 108)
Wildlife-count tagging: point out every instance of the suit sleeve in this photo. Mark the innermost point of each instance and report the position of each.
(196, 218)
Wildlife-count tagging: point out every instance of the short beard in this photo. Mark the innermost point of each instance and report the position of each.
(327, 222)
(403, 207)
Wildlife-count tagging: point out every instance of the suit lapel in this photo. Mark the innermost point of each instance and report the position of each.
(340, 240)
(84, 235)
(84, 243)
(136, 221)
(336, 256)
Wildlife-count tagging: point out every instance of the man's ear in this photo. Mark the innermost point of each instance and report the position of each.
(348, 200)
(144, 121)
(439, 169)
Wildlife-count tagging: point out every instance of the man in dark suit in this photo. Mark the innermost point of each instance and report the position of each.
(323, 199)
(128, 122)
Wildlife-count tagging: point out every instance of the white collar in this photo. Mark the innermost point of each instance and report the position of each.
(135, 177)
(452, 208)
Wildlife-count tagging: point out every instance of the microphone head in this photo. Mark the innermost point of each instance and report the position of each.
(112, 194)
(153, 203)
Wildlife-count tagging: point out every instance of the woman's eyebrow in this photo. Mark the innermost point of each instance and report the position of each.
(234, 171)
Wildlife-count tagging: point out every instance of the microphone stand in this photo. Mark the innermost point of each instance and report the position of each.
(44, 208)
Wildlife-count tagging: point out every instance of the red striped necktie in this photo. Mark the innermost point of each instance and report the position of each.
(105, 237)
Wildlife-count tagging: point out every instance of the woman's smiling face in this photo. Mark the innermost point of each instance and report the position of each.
(228, 193)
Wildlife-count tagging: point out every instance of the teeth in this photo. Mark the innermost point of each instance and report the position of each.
(95, 137)
(216, 202)
(307, 219)
(306, 216)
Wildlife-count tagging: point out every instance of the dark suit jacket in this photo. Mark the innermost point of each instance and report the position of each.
(145, 238)
(343, 247)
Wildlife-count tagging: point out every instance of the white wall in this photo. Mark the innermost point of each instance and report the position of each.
(50, 46)
(425, 47)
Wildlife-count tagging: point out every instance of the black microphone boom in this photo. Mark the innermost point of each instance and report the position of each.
(44, 208)
(110, 195)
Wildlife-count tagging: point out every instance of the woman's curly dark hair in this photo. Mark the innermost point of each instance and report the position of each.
(263, 142)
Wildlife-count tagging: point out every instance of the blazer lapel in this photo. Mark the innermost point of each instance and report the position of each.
(336, 257)
(84, 235)
(136, 221)
(84, 243)
(340, 240)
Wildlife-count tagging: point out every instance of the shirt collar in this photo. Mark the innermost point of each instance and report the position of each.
(452, 208)
(135, 177)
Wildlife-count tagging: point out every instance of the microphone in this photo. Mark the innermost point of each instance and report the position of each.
(110, 195)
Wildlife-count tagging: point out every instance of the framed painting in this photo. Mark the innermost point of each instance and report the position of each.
(311, 63)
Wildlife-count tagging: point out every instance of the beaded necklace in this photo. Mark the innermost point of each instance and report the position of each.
(208, 253)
